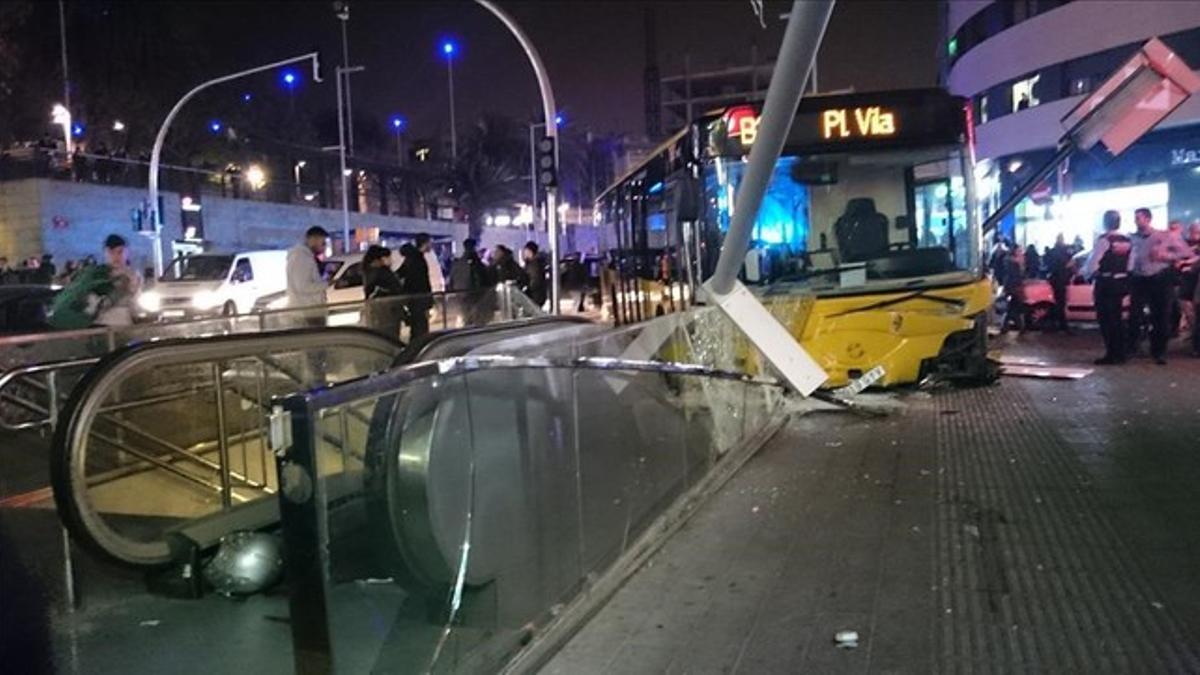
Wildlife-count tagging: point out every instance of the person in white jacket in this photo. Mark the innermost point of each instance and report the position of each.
(305, 285)
(437, 280)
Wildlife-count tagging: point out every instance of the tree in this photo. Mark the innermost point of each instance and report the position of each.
(487, 173)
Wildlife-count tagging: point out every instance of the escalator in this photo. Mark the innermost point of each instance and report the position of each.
(459, 505)
(167, 442)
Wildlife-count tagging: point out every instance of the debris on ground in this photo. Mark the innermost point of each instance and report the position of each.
(1046, 372)
(846, 639)
(149, 623)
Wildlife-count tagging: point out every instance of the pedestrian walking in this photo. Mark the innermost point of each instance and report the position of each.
(505, 267)
(1059, 270)
(1109, 264)
(416, 280)
(535, 273)
(100, 294)
(437, 280)
(380, 284)
(305, 285)
(1033, 262)
(468, 274)
(1151, 273)
(1189, 288)
(1014, 291)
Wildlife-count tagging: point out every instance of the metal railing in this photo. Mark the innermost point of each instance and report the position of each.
(505, 517)
(30, 364)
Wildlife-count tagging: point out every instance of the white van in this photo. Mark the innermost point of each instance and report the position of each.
(208, 284)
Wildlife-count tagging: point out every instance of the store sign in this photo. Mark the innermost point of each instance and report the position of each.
(1184, 157)
(869, 122)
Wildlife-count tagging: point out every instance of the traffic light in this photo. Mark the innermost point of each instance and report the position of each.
(546, 164)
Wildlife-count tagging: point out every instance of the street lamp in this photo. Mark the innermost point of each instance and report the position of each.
(62, 117)
(161, 137)
(256, 177)
(398, 124)
(289, 80)
(449, 48)
(118, 125)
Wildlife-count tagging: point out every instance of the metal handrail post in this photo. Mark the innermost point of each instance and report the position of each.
(222, 441)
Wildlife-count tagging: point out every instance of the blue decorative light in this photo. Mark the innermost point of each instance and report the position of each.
(215, 126)
(77, 129)
(247, 97)
(449, 48)
(397, 122)
(289, 78)
(559, 120)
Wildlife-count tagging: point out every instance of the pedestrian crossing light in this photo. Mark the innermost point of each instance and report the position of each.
(546, 164)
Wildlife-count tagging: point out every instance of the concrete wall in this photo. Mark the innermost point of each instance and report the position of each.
(20, 220)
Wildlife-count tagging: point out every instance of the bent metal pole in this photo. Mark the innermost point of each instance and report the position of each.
(156, 153)
(550, 114)
(801, 40)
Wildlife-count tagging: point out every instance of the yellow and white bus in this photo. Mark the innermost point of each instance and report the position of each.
(867, 244)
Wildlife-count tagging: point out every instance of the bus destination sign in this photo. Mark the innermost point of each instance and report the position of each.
(869, 122)
(861, 121)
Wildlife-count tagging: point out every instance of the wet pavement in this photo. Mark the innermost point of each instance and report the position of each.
(1034, 526)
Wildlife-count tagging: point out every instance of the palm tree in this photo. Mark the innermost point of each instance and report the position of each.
(487, 173)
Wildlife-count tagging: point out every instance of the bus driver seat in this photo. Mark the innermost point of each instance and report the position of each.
(862, 232)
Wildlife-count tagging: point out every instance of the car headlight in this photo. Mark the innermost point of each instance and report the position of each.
(206, 300)
(150, 301)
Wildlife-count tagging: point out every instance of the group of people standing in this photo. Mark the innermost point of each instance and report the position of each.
(1012, 265)
(1157, 270)
(416, 279)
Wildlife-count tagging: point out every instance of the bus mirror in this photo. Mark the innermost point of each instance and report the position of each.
(688, 200)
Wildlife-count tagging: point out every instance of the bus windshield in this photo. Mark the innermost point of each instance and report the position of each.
(854, 221)
(198, 268)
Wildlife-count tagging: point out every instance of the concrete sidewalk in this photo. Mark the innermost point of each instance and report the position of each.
(1035, 526)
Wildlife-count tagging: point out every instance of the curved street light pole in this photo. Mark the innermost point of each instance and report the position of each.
(156, 153)
(550, 113)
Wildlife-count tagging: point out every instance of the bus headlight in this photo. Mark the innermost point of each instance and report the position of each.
(150, 301)
(206, 300)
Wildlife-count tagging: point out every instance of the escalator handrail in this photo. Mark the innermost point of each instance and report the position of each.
(386, 383)
(87, 396)
(418, 349)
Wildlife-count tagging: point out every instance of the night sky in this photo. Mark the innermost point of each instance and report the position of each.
(593, 50)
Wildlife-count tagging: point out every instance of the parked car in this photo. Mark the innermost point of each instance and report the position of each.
(208, 284)
(1081, 305)
(24, 307)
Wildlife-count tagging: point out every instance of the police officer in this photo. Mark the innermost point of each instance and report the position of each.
(1109, 264)
(1151, 269)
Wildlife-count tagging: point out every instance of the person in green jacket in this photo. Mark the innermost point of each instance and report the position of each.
(99, 294)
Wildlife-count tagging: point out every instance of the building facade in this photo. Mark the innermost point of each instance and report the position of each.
(1024, 64)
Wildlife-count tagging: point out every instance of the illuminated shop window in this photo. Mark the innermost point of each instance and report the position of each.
(1022, 93)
